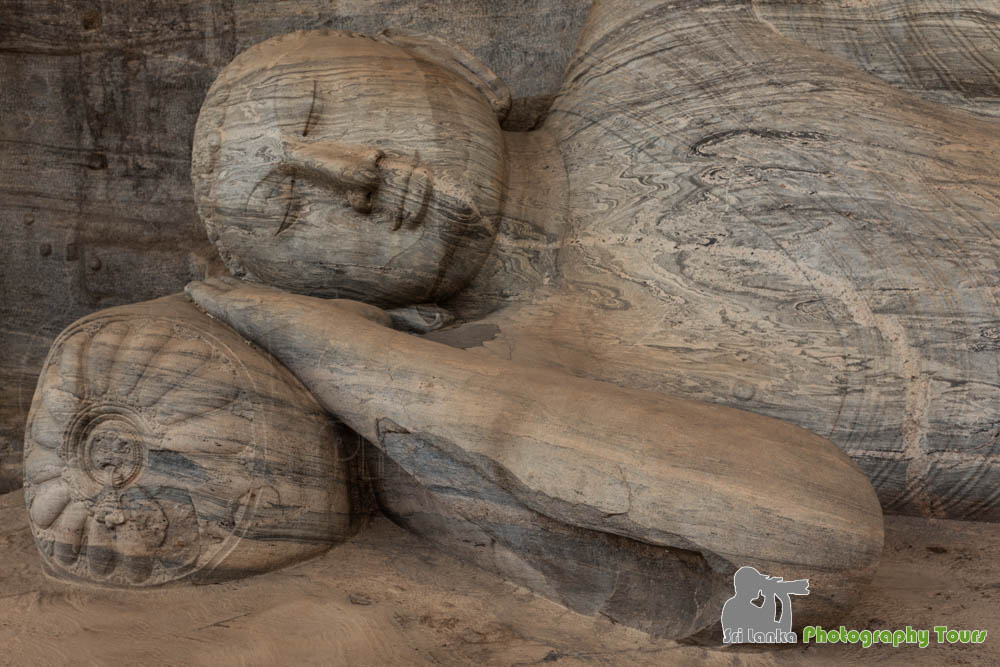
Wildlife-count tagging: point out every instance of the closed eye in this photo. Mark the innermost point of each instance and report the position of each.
(276, 197)
(292, 209)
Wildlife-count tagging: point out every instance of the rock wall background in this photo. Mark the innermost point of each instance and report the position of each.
(98, 102)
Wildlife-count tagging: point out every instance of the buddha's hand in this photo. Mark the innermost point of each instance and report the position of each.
(305, 333)
(258, 311)
(735, 487)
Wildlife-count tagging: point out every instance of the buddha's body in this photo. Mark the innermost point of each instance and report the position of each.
(710, 212)
(752, 223)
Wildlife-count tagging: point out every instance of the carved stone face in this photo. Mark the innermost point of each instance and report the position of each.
(344, 166)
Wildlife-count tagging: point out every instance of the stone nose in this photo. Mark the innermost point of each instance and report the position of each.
(346, 166)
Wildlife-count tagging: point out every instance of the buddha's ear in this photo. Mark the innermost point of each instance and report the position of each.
(455, 58)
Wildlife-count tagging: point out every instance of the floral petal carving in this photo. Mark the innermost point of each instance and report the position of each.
(150, 424)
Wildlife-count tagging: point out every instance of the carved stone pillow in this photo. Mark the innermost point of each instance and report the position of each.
(161, 446)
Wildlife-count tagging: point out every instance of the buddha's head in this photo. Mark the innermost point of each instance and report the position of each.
(339, 165)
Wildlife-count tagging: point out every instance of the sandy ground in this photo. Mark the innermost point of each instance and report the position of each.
(386, 598)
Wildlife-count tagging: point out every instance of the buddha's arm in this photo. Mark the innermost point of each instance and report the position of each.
(726, 483)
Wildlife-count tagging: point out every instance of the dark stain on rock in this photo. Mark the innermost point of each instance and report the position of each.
(780, 135)
(97, 161)
(90, 19)
(465, 336)
(176, 464)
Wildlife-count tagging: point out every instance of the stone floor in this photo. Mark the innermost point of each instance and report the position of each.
(386, 598)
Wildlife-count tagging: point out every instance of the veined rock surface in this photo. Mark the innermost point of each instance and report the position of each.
(720, 206)
(942, 50)
(755, 220)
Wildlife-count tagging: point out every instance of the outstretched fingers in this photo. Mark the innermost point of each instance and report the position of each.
(213, 295)
(252, 310)
(231, 299)
(293, 327)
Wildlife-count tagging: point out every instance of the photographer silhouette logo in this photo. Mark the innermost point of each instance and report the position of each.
(761, 610)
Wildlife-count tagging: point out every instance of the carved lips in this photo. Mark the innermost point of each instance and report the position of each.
(406, 193)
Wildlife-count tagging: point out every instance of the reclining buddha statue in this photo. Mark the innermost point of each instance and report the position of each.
(613, 359)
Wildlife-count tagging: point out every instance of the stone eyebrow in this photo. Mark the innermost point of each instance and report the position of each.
(312, 115)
